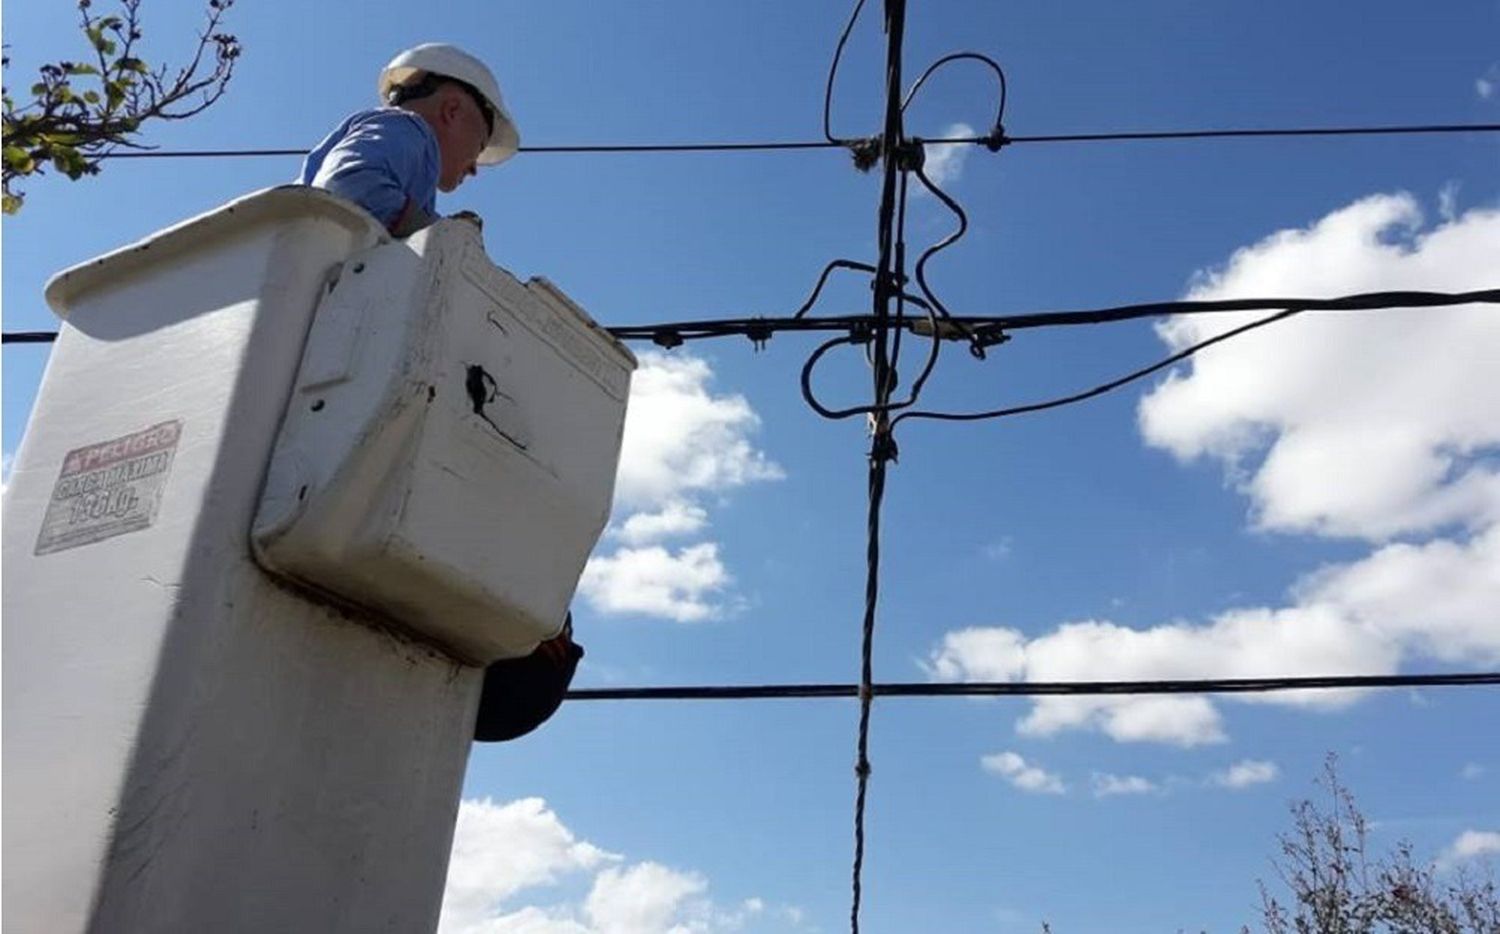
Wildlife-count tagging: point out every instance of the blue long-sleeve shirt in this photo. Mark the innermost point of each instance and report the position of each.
(385, 160)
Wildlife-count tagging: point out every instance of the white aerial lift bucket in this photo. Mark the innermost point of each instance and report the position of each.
(417, 449)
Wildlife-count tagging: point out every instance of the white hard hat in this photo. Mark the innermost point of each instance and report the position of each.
(452, 62)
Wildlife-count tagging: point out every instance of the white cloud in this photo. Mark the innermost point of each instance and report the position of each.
(1107, 785)
(1437, 599)
(682, 439)
(1240, 643)
(1013, 768)
(1448, 201)
(675, 519)
(1000, 549)
(1471, 771)
(1367, 425)
(944, 164)
(1377, 426)
(503, 851)
(655, 581)
(1247, 772)
(1488, 83)
(500, 849)
(1471, 844)
(646, 898)
(681, 442)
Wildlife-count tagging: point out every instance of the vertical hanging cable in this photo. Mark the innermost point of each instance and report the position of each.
(888, 279)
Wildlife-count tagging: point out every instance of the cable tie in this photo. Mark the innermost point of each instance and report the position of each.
(667, 338)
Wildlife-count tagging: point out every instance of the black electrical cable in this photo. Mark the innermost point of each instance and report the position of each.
(833, 70)
(1131, 135)
(888, 284)
(1366, 301)
(787, 145)
(1104, 387)
(741, 327)
(861, 333)
(921, 268)
(812, 299)
(1041, 688)
(997, 132)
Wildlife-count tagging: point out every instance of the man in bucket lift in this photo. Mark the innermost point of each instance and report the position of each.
(444, 118)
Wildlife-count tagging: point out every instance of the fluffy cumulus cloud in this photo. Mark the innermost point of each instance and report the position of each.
(682, 443)
(675, 519)
(500, 849)
(1245, 773)
(1020, 773)
(1377, 427)
(681, 438)
(679, 585)
(1368, 425)
(1470, 845)
(504, 851)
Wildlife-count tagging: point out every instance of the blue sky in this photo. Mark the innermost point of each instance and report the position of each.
(1321, 498)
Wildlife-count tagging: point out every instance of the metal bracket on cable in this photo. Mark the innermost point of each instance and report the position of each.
(911, 155)
(759, 333)
(883, 447)
(667, 338)
(996, 139)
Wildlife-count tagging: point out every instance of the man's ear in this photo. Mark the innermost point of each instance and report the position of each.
(450, 108)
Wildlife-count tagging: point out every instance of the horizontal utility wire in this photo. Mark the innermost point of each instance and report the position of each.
(760, 329)
(1039, 688)
(992, 141)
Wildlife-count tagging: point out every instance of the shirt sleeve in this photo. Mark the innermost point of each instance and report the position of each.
(385, 164)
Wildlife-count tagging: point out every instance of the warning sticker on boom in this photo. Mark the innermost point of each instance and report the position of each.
(109, 488)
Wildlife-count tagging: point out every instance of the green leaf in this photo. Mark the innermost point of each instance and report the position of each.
(91, 97)
(11, 203)
(132, 64)
(38, 89)
(21, 164)
(79, 69)
(18, 160)
(70, 162)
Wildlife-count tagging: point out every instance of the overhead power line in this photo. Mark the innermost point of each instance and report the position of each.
(991, 141)
(1041, 688)
(760, 329)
